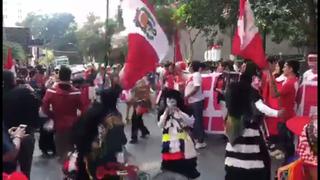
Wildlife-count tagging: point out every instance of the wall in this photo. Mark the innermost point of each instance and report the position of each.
(200, 46)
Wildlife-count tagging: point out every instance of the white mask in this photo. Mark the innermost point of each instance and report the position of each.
(171, 103)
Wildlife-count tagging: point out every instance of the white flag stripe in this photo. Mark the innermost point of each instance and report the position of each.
(247, 26)
(160, 42)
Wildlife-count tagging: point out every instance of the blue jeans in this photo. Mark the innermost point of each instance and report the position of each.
(198, 129)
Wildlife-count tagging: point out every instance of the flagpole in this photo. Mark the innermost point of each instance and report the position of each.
(174, 48)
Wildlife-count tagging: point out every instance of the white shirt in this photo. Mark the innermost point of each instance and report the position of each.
(195, 81)
(309, 76)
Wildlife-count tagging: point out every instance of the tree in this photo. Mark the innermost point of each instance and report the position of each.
(93, 42)
(293, 20)
(37, 24)
(17, 51)
(57, 29)
(48, 57)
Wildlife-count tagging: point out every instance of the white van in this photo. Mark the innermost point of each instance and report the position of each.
(61, 60)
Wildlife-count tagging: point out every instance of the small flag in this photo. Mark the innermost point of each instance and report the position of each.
(10, 65)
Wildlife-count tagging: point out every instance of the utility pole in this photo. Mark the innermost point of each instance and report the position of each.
(106, 34)
(106, 57)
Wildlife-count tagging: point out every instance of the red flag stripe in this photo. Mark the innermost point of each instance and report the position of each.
(9, 62)
(247, 42)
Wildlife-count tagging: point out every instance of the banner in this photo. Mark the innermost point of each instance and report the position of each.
(212, 114)
(309, 98)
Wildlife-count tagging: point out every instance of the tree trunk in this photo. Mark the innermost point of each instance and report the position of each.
(264, 34)
(192, 41)
(312, 23)
(190, 55)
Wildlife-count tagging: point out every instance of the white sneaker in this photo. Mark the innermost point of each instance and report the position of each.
(275, 153)
(201, 145)
(280, 156)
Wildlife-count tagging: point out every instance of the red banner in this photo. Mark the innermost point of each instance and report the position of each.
(212, 114)
(309, 98)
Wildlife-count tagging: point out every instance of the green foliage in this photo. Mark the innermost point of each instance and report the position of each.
(93, 42)
(17, 50)
(293, 20)
(206, 16)
(48, 57)
(166, 21)
(57, 29)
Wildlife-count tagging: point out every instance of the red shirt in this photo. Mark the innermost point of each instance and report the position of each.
(169, 80)
(65, 100)
(272, 122)
(288, 96)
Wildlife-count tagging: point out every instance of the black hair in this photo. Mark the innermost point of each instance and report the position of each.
(86, 129)
(174, 94)
(8, 80)
(281, 64)
(20, 81)
(224, 64)
(295, 65)
(32, 73)
(203, 65)
(65, 73)
(195, 65)
(251, 70)
(167, 64)
(272, 59)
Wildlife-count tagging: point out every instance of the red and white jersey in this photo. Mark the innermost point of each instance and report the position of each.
(309, 76)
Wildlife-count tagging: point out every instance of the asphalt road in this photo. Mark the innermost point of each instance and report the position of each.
(147, 155)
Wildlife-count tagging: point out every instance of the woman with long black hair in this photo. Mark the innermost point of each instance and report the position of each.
(99, 136)
(247, 156)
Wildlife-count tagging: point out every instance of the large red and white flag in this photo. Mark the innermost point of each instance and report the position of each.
(10, 65)
(147, 42)
(247, 42)
(177, 50)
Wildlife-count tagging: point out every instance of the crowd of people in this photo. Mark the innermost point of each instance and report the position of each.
(79, 123)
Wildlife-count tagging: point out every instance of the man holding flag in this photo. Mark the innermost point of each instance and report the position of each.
(246, 153)
(147, 47)
(147, 42)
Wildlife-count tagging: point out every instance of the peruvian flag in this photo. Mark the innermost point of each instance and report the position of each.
(247, 42)
(147, 42)
(10, 65)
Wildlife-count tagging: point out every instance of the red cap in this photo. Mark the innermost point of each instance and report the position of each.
(297, 123)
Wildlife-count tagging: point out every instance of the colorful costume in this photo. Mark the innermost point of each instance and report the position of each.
(247, 156)
(99, 136)
(178, 151)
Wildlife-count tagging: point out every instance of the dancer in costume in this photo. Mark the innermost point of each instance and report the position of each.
(99, 137)
(247, 156)
(178, 149)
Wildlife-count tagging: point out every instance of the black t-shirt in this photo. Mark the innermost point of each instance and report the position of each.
(21, 106)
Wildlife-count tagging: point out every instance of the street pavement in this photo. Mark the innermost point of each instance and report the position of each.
(147, 155)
